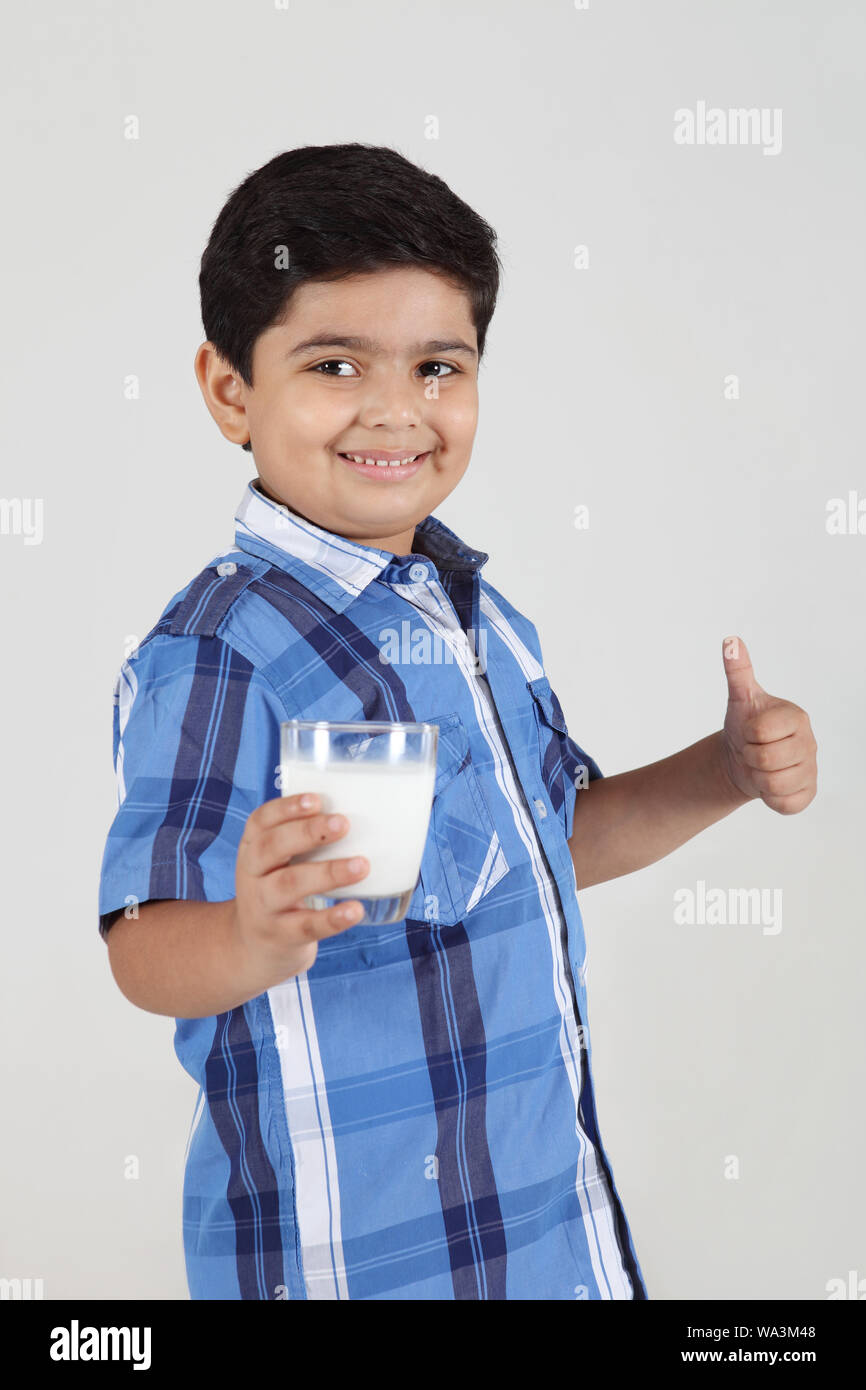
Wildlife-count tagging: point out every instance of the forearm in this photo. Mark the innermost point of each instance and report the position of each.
(626, 822)
(184, 959)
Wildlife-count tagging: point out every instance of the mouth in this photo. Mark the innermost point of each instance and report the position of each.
(386, 469)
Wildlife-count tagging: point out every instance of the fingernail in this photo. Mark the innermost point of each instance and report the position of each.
(335, 822)
(307, 801)
(357, 864)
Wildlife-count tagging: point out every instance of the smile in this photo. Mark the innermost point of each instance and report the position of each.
(394, 468)
(381, 463)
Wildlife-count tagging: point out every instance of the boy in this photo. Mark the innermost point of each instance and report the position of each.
(407, 1111)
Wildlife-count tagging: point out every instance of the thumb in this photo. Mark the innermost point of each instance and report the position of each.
(742, 686)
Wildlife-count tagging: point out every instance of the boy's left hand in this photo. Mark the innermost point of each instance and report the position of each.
(767, 747)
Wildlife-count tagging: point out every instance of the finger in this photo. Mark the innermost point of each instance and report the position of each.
(278, 811)
(310, 925)
(790, 805)
(777, 721)
(348, 914)
(271, 849)
(742, 685)
(771, 757)
(288, 886)
(787, 782)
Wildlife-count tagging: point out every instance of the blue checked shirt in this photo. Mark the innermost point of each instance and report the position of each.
(413, 1117)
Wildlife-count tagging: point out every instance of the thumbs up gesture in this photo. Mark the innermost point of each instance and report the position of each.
(767, 746)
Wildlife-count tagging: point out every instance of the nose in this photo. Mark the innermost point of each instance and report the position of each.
(392, 400)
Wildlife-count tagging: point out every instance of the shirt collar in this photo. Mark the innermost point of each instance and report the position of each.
(337, 569)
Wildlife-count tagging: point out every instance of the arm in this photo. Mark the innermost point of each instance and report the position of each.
(766, 749)
(626, 822)
(191, 959)
(232, 924)
(183, 959)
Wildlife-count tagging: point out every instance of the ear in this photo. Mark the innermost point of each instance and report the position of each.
(224, 393)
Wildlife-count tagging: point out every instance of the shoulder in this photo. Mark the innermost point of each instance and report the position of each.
(194, 635)
(203, 606)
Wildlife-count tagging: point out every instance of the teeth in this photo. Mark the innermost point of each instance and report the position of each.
(381, 463)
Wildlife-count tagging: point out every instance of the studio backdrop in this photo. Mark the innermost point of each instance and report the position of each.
(670, 450)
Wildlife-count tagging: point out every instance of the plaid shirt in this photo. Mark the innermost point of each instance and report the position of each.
(413, 1117)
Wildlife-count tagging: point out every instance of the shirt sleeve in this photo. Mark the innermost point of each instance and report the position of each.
(577, 768)
(196, 737)
(573, 756)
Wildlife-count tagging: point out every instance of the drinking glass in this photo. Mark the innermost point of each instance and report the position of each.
(380, 776)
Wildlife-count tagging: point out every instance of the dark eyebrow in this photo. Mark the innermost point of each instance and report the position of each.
(336, 340)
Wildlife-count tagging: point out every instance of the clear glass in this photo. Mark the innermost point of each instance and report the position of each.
(380, 776)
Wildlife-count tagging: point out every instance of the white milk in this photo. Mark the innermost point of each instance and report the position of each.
(387, 806)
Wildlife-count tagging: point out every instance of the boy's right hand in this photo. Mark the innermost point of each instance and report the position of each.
(273, 926)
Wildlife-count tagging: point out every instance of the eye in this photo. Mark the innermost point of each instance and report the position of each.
(332, 362)
(437, 363)
(321, 367)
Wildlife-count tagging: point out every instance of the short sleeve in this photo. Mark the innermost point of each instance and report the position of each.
(196, 749)
(577, 767)
(574, 758)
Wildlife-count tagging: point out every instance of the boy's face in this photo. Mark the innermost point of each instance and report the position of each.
(317, 395)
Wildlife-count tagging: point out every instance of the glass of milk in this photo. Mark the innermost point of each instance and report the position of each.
(379, 776)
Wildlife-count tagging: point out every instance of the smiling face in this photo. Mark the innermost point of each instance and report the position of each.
(383, 365)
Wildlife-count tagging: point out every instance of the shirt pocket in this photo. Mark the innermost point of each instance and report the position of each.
(564, 765)
(463, 857)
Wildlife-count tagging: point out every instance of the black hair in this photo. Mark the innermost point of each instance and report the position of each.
(324, 212)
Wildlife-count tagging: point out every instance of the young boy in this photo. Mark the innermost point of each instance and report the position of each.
(401, 1111)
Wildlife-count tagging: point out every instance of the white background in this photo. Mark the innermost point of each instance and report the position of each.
(602, 386)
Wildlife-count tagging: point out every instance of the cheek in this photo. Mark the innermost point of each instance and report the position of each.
(458, 417)
(315, 418)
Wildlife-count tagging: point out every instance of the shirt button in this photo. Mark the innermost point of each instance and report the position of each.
(417, 573)
(540, 807)
(228, 567)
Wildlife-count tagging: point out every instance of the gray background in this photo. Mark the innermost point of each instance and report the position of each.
(603, 386)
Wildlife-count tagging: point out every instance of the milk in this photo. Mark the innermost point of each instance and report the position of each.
(387, 806)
